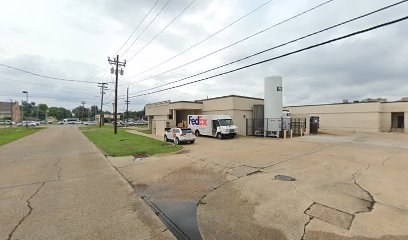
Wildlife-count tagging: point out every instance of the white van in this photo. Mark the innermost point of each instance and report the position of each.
(218, 126)
(71, 121)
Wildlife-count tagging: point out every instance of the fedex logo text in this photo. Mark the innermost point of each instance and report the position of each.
(197, 121)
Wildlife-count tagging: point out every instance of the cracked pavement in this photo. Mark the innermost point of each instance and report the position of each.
(348, 186)
(55, 184)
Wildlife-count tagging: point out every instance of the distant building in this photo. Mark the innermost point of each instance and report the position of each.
(10, 110)
(168, 114)
(107, 117)
(51, 119)
(369, 115)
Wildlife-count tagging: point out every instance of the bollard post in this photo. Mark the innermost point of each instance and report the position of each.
(301, 132)
(291, 133)
(284, 134)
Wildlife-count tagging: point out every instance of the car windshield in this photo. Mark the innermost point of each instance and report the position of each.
(225, 122)
(186, 131)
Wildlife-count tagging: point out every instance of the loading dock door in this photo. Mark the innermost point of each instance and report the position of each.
(400, 121)
(397, 119)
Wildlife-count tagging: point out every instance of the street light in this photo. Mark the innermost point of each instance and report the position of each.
(26, 96)
(22, 106)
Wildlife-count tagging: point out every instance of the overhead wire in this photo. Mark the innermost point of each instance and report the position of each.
(137, 26)
(40, 84)
(283, 55)
(280, 45)
(147, 26)
(44, 76)
(237, 42)
(157, 35)
(206, 38)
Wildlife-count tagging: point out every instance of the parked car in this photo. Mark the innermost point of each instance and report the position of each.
(131, 123)
(7, 122)
(89, 123)
(179, 135)
(27, 124)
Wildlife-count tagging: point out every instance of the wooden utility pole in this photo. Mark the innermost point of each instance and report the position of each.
(127, 105)
(117, 64)
(101, 116)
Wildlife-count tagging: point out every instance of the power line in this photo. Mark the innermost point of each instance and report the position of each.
(44, 76)
(148, 25)
(137, 27)
(237, 42)
(283, 55)
(174, 19)
(41, 84)
(278, 46)
(205, 39)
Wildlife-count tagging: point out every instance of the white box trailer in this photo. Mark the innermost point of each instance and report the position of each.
(218, 126)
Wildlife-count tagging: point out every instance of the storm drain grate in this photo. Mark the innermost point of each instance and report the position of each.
(285, 178)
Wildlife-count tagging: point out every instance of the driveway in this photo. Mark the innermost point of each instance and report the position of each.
(55, 184)
(348, 186)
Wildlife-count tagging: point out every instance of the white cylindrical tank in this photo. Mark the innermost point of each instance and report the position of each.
(273, 104)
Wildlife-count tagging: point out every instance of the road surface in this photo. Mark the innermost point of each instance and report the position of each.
(55, 184)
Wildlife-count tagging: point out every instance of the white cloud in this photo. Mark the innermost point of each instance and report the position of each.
(73, 38)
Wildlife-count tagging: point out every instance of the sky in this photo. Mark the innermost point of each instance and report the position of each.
(72, 39)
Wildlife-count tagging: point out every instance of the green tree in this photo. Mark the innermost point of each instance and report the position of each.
(81, 112)
(42, 110)
(59, 113)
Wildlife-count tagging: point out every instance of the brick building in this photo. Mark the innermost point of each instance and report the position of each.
(10, 109)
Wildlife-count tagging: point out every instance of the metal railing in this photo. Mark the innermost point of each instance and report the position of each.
(275, 126)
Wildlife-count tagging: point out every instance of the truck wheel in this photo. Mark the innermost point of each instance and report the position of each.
(197, 133)
(165, 138)
(176, 141)
(232, 136)
(219, 136)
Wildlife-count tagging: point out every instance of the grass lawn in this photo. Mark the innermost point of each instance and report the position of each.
(11, 134)
(124, 143)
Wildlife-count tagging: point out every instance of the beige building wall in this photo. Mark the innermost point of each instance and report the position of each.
(239, 108)
(362, 117)
(165, 114)
(386, 112)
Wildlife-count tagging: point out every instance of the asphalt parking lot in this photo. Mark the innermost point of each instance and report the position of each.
(343, 186)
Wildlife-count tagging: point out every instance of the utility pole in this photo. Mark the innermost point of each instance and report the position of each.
(117, 63)
(127, 105)
(22, 109)
(83, 110)
(103, 88)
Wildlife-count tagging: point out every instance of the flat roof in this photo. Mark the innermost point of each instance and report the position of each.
(325, 104)
(186, 102)
(254, 98)
(227, 96)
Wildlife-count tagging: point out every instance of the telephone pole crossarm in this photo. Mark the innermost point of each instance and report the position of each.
(115, 71)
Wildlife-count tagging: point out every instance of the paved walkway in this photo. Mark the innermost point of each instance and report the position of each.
(55, 184)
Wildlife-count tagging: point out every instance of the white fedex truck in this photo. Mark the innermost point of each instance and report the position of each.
(218, 126)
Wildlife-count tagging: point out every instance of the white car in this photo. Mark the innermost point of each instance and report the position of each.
(26, 124)
(179, 135)
(88, 123)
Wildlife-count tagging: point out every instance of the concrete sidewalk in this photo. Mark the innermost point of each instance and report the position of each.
(55, 184)
(347, 187)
